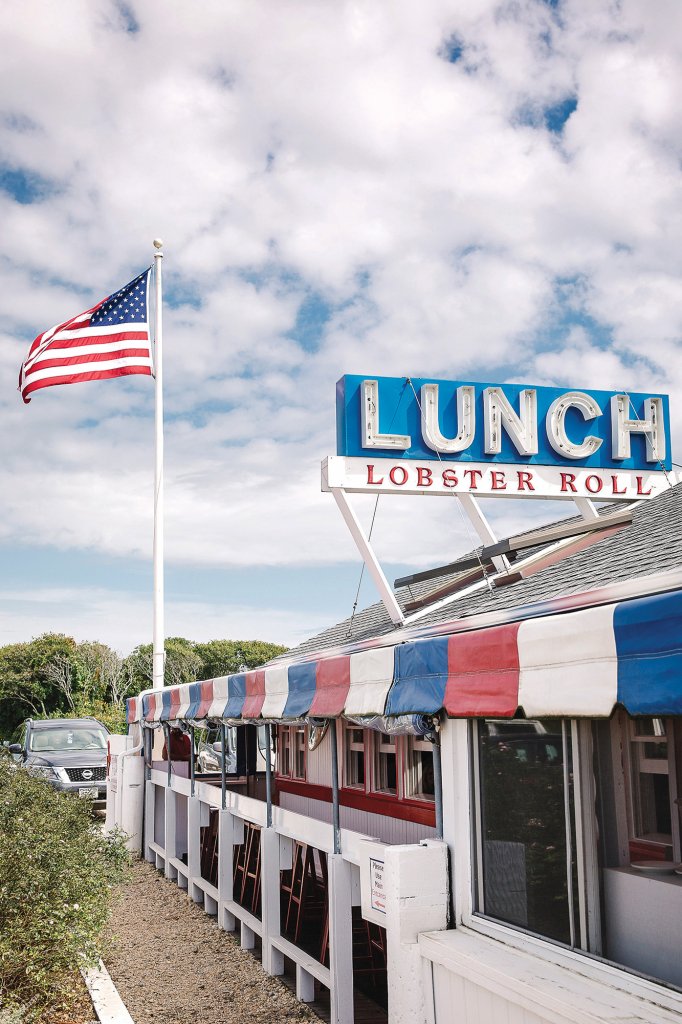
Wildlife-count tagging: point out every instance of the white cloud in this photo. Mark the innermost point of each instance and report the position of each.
(123, 620)
(300, 148)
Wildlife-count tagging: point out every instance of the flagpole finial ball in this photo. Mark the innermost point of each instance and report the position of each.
(157, 243)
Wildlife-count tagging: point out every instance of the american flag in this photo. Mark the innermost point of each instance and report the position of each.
(110, 340)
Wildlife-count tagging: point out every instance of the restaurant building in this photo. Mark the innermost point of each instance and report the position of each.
(467, 811)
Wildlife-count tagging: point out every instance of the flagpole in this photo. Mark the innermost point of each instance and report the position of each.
(158, 656)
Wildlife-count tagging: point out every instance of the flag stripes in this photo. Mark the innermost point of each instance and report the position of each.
(112, 339)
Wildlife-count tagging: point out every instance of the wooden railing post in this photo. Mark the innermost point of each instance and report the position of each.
(170, 835)
(273, 960)
(149, 800)
(230, 832)
(340, 940)
(194, 847)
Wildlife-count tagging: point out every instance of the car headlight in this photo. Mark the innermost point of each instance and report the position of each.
(44, 771)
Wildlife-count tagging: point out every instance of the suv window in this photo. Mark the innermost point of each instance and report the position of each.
(81, 738)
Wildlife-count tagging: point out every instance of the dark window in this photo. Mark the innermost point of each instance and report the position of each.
(524, 787)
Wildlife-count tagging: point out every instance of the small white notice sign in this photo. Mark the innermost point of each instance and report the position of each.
(373, 879)
(377, 893)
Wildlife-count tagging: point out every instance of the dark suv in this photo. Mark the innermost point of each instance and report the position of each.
(69, 753)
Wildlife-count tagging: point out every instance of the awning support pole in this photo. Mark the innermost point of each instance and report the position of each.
(166, 736)
(223, 765)
(148, 742)
(335, 787)
(191, 760)
(438, 788)
(268, 776)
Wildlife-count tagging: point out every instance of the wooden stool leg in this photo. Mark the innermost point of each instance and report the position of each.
(296, 866)
(248, 845)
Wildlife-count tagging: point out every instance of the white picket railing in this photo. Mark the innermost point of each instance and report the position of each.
(163, 847)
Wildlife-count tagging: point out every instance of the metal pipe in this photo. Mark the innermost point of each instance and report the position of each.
(438, 787)
(223, 765)
(148, 745)
(569, 836)
(191, 761)
(167, 733)
(268, 775)
(335, 788)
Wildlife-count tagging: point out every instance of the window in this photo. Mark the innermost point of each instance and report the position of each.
(354, 757)
(385, 764)
(419, 784)
(650, 780)
(299, 749)
(526, 867)
(292, 744)
(284, 741)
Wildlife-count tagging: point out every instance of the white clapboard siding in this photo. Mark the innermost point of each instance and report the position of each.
(481, 980)
(319, 765)
(388, 830)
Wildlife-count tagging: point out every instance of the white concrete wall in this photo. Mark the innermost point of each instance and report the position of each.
(643, 916)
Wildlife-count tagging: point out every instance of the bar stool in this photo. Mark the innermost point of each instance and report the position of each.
(247, 874)
(209, 850)
(307, 891)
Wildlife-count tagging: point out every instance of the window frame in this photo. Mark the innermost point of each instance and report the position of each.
(413, 745)
(626, 737)
(354, 746)
(581, 842)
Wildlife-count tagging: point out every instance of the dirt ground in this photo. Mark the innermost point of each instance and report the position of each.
(173, 965)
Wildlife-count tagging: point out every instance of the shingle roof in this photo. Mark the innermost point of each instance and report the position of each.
(651, 543)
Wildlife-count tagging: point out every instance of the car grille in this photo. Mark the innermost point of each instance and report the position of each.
(93, 774)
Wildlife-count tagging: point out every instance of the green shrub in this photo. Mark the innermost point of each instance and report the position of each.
(57, 871)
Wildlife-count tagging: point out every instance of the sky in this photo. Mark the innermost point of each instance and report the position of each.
(462, 189)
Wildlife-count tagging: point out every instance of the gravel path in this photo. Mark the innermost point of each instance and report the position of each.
(173, 965)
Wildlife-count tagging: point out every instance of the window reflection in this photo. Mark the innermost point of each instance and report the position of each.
(524, 825)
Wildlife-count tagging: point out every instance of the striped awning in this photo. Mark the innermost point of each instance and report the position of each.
(578, 663)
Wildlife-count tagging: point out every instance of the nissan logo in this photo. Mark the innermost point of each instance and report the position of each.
(87, 773)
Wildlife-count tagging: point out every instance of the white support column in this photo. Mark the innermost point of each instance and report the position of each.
(226, 843)
(247, 938)
(457, 795)
(272, 959)
(170, 837)
(482, 527)
(370, 559)
(194, 847)
(149, 800)
(587, 508)
(340, 939)
(305, 985)
(416, 887)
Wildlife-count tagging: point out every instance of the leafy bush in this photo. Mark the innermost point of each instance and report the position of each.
(57, 871)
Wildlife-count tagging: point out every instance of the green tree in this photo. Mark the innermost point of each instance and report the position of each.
(26, 686)
(221, 657)
(183, 665)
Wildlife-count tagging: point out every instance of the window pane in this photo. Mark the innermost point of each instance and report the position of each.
(419, 781)
(523, 827)
(354, 758)
(299, 752)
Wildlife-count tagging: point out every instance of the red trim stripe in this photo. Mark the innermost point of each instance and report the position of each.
(483, 673)
(255, 694)
(206, 691)
(418, 811)
(332, 683)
